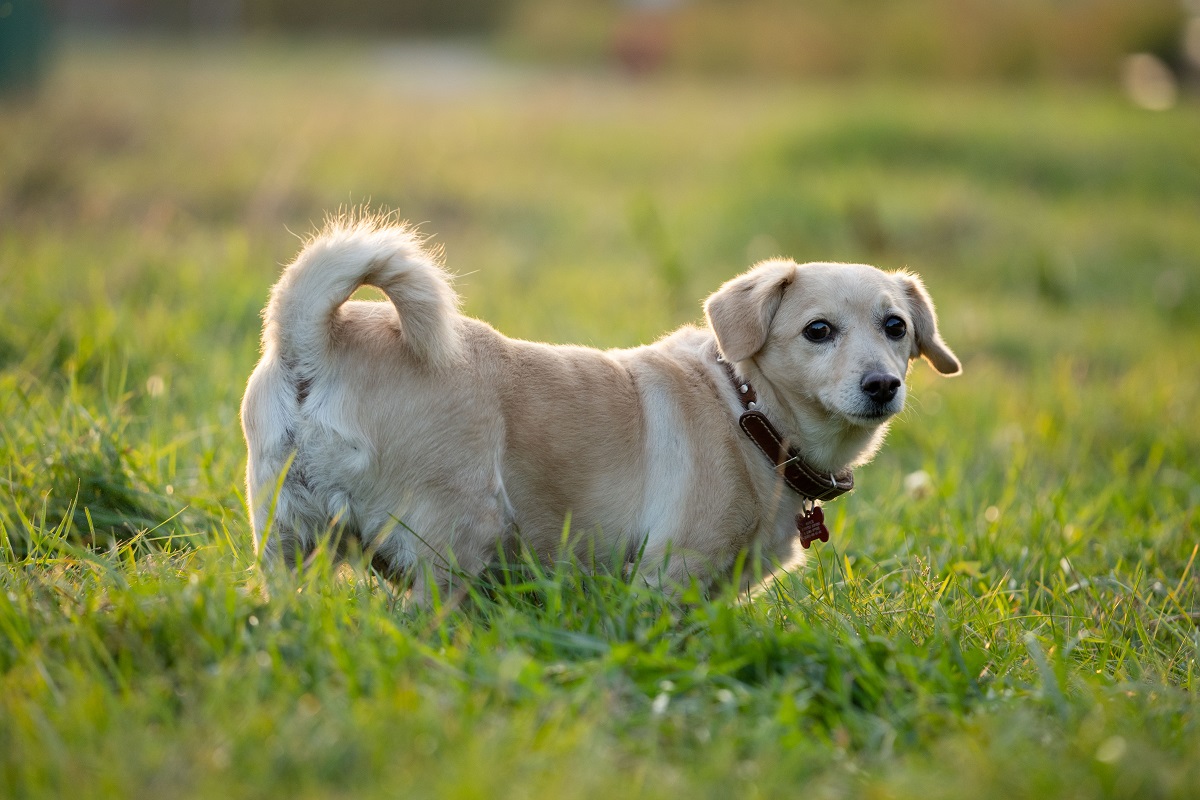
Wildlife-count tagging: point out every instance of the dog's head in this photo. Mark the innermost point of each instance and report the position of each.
(833, 339)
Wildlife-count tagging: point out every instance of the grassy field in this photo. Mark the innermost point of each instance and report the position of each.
(1024, 625)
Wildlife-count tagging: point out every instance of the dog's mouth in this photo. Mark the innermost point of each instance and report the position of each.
(860, 412)
(873, 415)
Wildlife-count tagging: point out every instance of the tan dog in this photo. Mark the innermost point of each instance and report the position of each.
(437, 442)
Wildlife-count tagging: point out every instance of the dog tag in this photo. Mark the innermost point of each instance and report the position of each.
(810, 525)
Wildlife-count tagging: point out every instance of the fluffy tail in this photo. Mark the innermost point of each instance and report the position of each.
(351, 253)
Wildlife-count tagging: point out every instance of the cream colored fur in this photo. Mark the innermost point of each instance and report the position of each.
(437, 443)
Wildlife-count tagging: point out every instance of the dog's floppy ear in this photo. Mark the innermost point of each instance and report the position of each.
(926, 339)
(740, 312)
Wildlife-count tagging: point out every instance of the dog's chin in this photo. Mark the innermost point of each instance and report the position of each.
(871, 417)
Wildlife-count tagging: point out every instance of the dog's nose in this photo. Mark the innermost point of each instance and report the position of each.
(880, 386)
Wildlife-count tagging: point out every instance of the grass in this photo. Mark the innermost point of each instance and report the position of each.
(1024, 625)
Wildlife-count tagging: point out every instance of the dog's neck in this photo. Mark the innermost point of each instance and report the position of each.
(827, 443)
(790, 463)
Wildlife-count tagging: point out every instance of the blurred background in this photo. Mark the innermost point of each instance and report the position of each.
(594, 168)
(1019, 40)
(583, 146)
(1018, 144)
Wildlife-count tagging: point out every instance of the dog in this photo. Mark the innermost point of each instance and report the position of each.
(439, 445)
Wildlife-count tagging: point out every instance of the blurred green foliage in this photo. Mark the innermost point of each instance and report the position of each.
(372, 17)
(375, 17)
(1015, 40)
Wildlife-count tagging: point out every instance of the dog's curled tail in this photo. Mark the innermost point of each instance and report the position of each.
(350, 253)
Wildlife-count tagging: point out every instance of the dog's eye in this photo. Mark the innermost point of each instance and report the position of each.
(895, 328)
(818, 331)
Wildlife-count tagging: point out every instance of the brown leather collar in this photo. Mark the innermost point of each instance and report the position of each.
(797, 473)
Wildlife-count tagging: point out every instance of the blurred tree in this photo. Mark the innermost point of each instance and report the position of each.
(1014, 40)
(24, 44)
(351, 16)
(378, 16)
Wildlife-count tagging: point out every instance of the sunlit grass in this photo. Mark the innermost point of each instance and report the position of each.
(1022, 623)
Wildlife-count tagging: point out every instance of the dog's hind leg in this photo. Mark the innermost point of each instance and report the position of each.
(438, 554)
